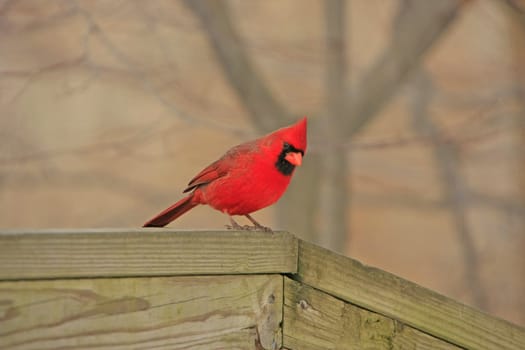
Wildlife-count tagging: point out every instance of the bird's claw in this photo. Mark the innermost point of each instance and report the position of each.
(238, 227)
(256, 226)
(248, 228)
(261, 228)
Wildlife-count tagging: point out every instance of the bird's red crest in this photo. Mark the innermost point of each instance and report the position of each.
(295, 134)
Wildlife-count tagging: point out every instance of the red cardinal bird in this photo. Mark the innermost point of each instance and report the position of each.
(249, 177)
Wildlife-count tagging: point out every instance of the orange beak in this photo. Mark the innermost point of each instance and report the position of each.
(294, 158)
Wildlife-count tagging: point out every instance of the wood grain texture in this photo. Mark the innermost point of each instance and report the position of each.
(314, 320)
(184, 312)
(142, 252)
(405, 301)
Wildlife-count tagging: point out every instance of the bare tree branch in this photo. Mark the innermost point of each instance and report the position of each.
(265, 110)
(517, 7)
(509, 206)
(504, 206)
(142, 76)
(128, 144)
(88, 179)
(418, 26)
(62, 11)
(450, 135)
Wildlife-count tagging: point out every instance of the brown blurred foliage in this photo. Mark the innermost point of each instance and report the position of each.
(416, 160)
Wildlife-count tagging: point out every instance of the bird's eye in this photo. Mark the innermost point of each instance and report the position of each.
(286, 146)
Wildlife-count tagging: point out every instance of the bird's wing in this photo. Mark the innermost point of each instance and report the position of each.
(222, 166)
(207, 175)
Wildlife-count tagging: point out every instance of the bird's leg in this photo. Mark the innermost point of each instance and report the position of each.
(257, 225)
(235, 226)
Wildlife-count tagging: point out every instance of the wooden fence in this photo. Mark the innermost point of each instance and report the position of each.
(165, 289)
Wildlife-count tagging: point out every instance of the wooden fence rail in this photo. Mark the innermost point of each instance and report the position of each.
(165, 289)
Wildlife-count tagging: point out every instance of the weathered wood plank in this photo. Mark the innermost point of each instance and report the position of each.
(184, 312)
(314, 320)
(405, 301)
(142, 252)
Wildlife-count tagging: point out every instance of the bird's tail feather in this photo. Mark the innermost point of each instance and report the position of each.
(171, 213)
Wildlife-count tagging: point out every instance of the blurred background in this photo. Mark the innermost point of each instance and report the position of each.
(416, 158)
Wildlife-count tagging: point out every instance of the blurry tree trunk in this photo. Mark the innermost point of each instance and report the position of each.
(334, 192)
(453, 184)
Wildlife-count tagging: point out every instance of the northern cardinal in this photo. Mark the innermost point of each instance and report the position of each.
(248, 177)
